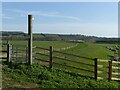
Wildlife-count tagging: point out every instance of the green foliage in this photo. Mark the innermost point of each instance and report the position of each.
(54, 78)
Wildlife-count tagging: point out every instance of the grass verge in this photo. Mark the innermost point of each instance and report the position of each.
(37, 76)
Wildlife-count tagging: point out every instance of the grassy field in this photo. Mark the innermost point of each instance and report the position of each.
(89, 50)
(45, 44)
(92, 50)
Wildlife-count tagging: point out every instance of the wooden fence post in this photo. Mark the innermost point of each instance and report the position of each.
(50, 57)
(30, 38)
(8, 52)
(95, 68)
(110, 71)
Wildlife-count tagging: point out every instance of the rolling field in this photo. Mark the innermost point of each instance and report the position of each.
(44, 44)
(87, 50)
(91, 50)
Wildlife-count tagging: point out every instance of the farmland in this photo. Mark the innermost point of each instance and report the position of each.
(59, 45)
(45, 44)
(85, 49)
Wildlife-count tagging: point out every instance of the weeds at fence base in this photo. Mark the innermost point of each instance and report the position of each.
(53, 78)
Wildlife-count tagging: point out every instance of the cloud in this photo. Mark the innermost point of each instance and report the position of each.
(14, 27)
(4, 16)
(61, 16)
(45, 14)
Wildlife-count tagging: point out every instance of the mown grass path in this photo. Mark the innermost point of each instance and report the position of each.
(92, 50)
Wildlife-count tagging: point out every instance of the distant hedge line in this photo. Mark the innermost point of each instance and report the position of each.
(56, 37)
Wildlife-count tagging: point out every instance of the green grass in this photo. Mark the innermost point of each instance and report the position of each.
(45, 44)
(89, 50)
(92, 50)
(22, 76)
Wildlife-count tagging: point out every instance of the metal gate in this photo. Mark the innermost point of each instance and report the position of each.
(3, 51)
(19, 54)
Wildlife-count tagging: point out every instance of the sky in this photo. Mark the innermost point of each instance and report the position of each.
(87, 18)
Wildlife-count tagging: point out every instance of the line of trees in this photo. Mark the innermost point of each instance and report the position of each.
(56, 37)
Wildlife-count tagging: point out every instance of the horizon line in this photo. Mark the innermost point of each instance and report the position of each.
(65, 34)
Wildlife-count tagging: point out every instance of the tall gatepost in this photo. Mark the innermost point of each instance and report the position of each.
(30, 39)
(8, 51)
